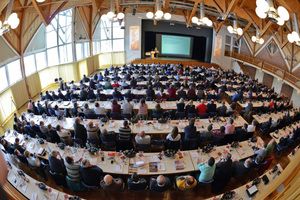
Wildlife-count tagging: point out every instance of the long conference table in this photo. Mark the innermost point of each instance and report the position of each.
(117, 163)
(265, 117)
(282, 132)
(149, 126)
(166, 105)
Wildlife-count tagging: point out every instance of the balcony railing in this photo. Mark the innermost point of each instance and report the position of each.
(285, 75)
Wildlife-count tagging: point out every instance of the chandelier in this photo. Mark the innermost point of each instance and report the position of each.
(266, 9)
(294, 36)
(257, 39)
(202, 20)
(112, 15)
(159, 14)
(11, 20)
(235, 29)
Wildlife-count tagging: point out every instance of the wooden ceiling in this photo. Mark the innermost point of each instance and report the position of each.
(32, 14)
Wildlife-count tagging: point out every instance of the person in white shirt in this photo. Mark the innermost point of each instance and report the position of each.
(174, 136)
(99, 110)
(142, 138)
(64, 135)
(124, 84)
(251, 127)
(127, 107)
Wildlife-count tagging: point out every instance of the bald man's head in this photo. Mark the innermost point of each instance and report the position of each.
(108, 179)
(161, 180)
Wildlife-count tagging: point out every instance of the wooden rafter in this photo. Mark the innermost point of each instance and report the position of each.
(251, 19)
(230, 8)
(245, 29)
(57, 11)
(117, 6)
(193, 12)
(266, 28)
(166, 4)
(40, 12)
(85, 20)
(96, 5)
(3, 4)
(218, 7)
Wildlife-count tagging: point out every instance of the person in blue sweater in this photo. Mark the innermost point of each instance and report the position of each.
(207, 170)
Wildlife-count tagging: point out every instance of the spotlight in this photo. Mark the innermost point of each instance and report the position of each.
(133, 10)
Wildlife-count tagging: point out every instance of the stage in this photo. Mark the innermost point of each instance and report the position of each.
(166, 60)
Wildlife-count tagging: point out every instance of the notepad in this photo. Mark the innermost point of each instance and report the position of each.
(53, 195)
(142, 170)
(161, 166)
(119, 168)
(194, 154)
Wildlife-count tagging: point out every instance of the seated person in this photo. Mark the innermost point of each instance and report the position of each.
(115, 107)
(207, 170)
(125, 131)
(222, 109)
(21, 156)
(128, 107)
(201, 108)
(33, 161)
(117, 94)
(211, 107)
(174, 136)
(180, 105)
(219, 133)
(206, 134)
(56, 165)
(135, 183)
(18, 147)
(159, 183)
(73, 168)
(257, 161)
(105, 137)
(64, 135)
(91, 174)
(53, 134)
(111, 184)
(252, 126)
(190, 108)
(182, 93)
(270, 149)
(229, 128)
(190, 130)
(186, 183)
(241, 133)
(99, 110)
(262, 151)
(87, 110)
(158, 111)
(242, 167)
(93, 131)
(142, 138)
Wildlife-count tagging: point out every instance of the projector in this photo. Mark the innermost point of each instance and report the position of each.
(220, 18)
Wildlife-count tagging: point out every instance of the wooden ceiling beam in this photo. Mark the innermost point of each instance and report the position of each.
(244, 31)
(231, 7)
(117, 6)
(3, 4)
(251, 19)
(193, 12)
(218, 7)
(40, 12)
(266, 28)
(85, 20)
(57, 10)
(166, 4)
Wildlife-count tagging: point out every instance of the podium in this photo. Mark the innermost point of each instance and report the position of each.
(154, 54)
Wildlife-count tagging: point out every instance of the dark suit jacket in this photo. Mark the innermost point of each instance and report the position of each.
(91, 175)
(80, 132)
(211, 108)
(141, 185)
(182, 94)
(239, 169)
(190, 132)
(180, 107)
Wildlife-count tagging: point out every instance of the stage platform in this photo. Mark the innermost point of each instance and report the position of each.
(184, 61)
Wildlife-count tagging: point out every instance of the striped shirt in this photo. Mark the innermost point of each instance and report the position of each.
(73, 171)
(124, 133)
(92, 132)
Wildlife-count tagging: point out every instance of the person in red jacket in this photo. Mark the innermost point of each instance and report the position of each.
(172, 93)
(116, 84)
(201, 108)
(271, 105)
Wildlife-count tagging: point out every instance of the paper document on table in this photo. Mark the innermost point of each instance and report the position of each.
(111, 125)
(53, 195)
(94, 161)
(34, 196)
(166, 126)
(62, 152)
(154, 158)
(194, 154)
(142, 170)
(161, 166)
(119, 168)
(144, 128)
(24, 186)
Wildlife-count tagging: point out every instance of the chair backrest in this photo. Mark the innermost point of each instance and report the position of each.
(191, 115)
(204, 116)
(250, 134)
(94, 141)
(109, 144)
(172, 144)
(189, 144)
(77, 141)
(156, 115)
(75, 186)
(90, 187)
(101, 116)
(228, 139)
(158, 143)
(115, 116)
(143, 146)
(91, 116)
(126, 116)
(266, 165)
(58, 179)
(180, 114)
(213, 114)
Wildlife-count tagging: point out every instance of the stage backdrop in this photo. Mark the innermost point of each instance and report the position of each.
(134, 37)
(218, 46)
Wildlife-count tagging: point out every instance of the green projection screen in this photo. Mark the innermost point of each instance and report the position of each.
(175, 45)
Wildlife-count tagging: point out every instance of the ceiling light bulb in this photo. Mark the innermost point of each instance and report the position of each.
(290, 38)
(159, 14)
(195, 20)
(261, 14)
(283, 13)
(120, 15)
(15, 23)
(0, 24)
(240, 31)
(261, 41)
(167, 16)
(230, 29)
(40, 1)
(295, 36)
(209, 23)
(149, 15)
(110, 15)
(253, 38)
(280, 21)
